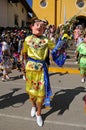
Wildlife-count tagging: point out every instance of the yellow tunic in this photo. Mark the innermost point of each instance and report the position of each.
(36, 48)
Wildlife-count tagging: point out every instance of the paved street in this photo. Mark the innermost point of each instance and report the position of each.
(67, 106)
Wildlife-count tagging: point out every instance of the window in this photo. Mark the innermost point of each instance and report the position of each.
(22, 10)
(16, 20)
(43, 3)
(23, 23)
(16, 4)
(80, 3)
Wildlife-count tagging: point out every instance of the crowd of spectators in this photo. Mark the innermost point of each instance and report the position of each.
(15, 36)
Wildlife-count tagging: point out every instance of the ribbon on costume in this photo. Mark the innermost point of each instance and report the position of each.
(58, 53)
(47, 82)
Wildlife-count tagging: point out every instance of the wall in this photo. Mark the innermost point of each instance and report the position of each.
(16, 10)
(7, 12)
(57, 11)
(3, 13)
(47, 12)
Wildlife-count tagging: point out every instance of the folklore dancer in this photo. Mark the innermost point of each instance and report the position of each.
(36, 48)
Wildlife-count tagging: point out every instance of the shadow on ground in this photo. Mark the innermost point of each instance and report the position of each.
(10, 99)
(16, 77)
(60, 73)
(62, 100)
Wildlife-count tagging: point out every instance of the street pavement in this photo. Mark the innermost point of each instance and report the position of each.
(67, 105)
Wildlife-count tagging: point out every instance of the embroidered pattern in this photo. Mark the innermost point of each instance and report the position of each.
(36, 42)
(34, 66)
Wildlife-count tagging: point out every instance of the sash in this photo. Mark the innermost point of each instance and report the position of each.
(58, 53)
(47, 82)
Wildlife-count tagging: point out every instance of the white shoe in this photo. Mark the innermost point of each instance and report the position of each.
(82, 80)
(24, 78)
(3, 79)
(33, 111)
(76, 62)
(7, 77)
(39, 120)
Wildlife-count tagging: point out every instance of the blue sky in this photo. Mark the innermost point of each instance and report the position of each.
(29, 2)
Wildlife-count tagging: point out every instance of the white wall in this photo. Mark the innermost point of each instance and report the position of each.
(3, 13)
(16, 10)
(7, 12)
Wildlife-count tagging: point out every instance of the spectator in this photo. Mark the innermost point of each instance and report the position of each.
(81, 51)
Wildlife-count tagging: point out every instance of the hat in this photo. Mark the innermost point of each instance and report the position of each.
(35, 19)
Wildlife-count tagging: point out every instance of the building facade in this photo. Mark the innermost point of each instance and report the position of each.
(14, 13)
(59, 11)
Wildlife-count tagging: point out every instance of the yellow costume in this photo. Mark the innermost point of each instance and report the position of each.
(37, 49)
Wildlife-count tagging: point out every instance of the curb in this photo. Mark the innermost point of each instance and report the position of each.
(64, 70)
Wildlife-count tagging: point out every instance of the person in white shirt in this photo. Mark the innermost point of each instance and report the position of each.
(6, 63)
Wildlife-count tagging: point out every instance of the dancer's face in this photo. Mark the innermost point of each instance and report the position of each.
(38, 28)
